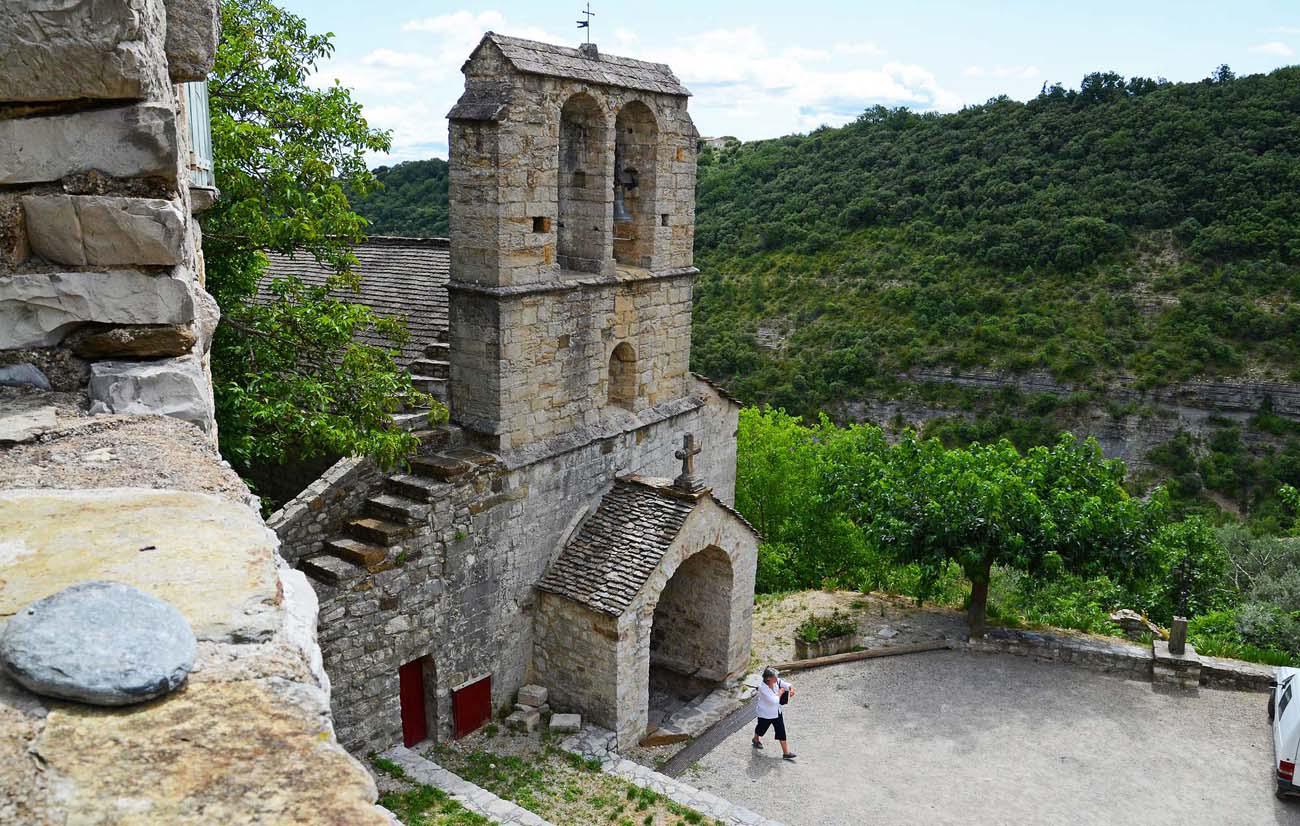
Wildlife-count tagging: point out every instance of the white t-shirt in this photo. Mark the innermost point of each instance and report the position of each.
(769, 700)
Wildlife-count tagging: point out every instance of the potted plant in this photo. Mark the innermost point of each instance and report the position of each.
(824, 635)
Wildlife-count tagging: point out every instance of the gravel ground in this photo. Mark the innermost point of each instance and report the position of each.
(955, 738)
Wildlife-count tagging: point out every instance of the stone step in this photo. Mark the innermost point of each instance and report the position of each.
(431, 439)
(397, 508)
(437, 350)
(440, 466)
(412, 420)
(437, 368)
(329, 569)
(377, 531)
(470, 455)
(411, 486)
(355, 551)
(433, 385)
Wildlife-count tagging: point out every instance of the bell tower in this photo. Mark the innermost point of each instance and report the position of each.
(572, 207)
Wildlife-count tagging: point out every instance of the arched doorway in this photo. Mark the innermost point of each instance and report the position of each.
(584, 189)
(690, 634)
(636, 147)
(622, 378)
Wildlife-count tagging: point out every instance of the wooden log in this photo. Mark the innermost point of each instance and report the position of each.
(870, 653)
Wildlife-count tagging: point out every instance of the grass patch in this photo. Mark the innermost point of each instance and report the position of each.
(564, 788)
(427, 806)
(825, 627)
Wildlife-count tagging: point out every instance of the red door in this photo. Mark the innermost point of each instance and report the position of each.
(471, 705)
(415, 726)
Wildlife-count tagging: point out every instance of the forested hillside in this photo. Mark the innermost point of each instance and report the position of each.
(1129, 227)
(411, 201)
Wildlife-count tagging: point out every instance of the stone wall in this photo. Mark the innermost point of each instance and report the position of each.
(534, 365)
(322, 508)
(463, 591)
(145, 501)
(100, 265)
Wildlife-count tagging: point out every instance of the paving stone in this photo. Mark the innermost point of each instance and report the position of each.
(98, 642)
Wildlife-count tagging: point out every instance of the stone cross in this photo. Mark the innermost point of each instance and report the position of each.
(688, 481)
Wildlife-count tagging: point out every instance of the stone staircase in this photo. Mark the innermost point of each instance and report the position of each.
(371, 542)
(431, 373)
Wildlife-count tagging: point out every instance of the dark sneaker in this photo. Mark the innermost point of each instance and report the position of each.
(789, 756)
(756, 744)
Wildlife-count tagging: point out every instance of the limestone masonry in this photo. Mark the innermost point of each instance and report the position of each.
(102, 310)
(538, 539)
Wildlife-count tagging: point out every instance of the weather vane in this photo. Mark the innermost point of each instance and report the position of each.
(586, 24)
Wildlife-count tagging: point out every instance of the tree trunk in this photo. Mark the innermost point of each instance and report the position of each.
(979, 599)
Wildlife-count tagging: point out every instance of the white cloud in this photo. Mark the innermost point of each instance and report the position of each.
(746, 86)
(1024, 72)
(1276, 47)
(1284, 30)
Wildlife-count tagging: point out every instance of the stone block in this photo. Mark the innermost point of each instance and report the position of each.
(532, 695)
(566, 723)
(40, 310)
(122, 142)
(524, 721)
(133, 341)
(106, 231)
(25, 425)
(1181, 671)
(193, 27)
(67, 51)
(176, 387)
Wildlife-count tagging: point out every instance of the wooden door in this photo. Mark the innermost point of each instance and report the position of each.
(415, 725)
(472, 705)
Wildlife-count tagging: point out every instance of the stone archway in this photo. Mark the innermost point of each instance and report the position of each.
(584, 190)
(690, 633)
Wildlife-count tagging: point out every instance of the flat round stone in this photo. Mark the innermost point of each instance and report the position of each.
(99, 642)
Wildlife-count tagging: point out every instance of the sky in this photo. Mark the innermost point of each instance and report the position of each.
(762, 69)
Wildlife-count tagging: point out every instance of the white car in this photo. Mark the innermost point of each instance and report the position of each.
(1284, 713)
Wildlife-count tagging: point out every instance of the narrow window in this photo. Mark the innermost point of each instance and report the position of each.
(622, 376)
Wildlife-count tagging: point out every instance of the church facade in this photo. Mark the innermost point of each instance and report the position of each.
(572, 526)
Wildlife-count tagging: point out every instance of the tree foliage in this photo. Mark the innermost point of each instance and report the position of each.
(411, 200)
(291, 380)
(847, 506)
(1132, 226)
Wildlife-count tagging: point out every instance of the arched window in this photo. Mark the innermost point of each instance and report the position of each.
(584, 189)
(636, 149)
(622, 376)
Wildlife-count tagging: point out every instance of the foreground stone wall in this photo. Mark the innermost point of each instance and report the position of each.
(248, 739)
(461, 591)
(100, 266)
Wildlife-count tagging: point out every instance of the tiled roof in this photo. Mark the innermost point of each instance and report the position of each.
(402, 278)
(618, 547)
(560, 61)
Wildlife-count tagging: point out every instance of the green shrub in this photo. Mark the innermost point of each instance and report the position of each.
(817, 628)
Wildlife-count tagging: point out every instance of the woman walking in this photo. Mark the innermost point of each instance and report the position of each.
(773, 693)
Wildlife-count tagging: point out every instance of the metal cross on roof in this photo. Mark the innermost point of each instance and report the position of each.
(586, 24)
(688, 481)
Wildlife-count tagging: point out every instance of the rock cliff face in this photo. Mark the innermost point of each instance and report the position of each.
(1126, 420)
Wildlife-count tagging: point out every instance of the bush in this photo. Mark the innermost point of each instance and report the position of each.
(825, 627)
(1193, 568)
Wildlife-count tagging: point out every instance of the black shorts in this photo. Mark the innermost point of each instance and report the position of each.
(777, 723)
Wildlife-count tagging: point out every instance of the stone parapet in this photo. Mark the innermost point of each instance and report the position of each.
(1170, 670)
(248, 738)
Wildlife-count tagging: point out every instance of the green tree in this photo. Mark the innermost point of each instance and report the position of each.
(292, 381)
(1058, 508)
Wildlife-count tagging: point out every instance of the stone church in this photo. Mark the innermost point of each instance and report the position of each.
(573, 525)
